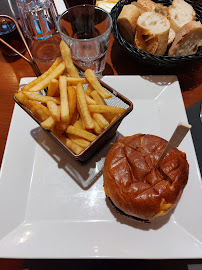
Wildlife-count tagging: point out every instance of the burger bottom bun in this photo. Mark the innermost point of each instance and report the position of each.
(135, 185)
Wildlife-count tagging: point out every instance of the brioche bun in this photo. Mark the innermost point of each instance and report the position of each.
(133, 183)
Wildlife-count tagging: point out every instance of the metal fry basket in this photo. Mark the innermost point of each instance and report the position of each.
(117, 100)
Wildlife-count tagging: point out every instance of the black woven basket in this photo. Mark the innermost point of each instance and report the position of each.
(148, 58)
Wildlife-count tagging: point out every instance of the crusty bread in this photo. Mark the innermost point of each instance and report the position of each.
(152, 6)
(152, 33)
(148, 4)
(171, 36)
(187, 40)
(127, 22)
(141, 7)
(135, 185)
(159, 8)
(180, 13)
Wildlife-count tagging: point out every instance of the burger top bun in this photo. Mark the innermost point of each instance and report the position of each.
(135, 185)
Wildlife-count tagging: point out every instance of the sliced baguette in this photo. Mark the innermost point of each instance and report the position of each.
(141, 7)
(148, 4)
(160, 8)
(152, 6)
(180, 13)
(171, 36)
(127, 21)
(152, 33)
(187, 40)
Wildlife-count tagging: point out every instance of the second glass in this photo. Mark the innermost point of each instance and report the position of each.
(86, 30)
(39, 18)
(9, 33)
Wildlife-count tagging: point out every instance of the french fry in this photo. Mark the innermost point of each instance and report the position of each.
(80, 141)
(74, 117)
(73, 146)
(102, 122)
(54, 110)
(52, 87)
(80, 115)
(83, 107)
(81, 133)
(92, 79)
(53, 75)
(72, 98)
(78, 124)
(97, 128)
(23, 99)
(34, 102)
(64, 99)
(75, 81)
(44, 108)
(105, 109)
(40, 98)
(48, 123)
(42, 77)
(61, 126)
(39, 113)
(66, 55)
(90, 101)
(114, 118)
(89, 89)
(98, 99)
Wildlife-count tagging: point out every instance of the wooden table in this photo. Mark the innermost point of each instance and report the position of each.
(118, 63)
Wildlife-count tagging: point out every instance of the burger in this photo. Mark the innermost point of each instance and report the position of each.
(133, 183)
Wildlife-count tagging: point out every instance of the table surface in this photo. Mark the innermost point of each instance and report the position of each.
(118, 63)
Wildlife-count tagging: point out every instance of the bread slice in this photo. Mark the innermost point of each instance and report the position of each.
(152, 6)
(148, 4)
(180, 13)
(152, 33)
(171, 36)
(141, 7)
(127, 21)
(159, 8)
(187, 40)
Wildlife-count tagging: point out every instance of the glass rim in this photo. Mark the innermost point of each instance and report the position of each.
(84, 39)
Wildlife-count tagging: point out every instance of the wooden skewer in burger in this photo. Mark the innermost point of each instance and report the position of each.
(144, 175)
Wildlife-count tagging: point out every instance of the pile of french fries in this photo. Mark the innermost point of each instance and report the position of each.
(75, 115)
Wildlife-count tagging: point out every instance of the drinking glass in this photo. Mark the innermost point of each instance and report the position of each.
(39, 18)
(86, 30)
(9, 33)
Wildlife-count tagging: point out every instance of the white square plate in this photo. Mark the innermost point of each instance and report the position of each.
(50, 209)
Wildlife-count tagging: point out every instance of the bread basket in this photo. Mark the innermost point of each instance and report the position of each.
(148, 58)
